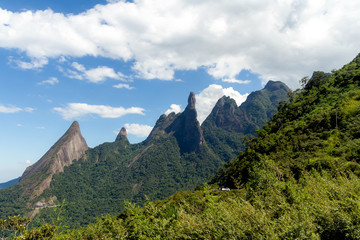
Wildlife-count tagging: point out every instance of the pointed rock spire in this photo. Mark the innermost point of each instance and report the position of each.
(122, 136)
(191, 101)
(186, 128)
(71, 146)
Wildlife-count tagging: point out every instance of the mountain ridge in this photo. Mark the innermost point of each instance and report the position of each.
(230, 123)
(9, 183)
(175, 156)
(71, 146)
(299, 178)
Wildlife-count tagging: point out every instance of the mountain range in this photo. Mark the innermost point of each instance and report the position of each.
(9, 183)
(299, 178)
(178, 154)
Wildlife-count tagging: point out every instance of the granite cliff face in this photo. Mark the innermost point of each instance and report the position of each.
(227, 115)
(183, 126)
(161, 125)
(186, 128)
(71, 146)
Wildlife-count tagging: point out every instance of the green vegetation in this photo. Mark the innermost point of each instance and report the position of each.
(298, 179)
(286, 211)
(9, 183)
(111, 174)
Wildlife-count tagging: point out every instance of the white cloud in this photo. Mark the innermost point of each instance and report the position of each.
(173, 108)
(138, 130)
(27, 162)
(233, 80)
(9, 109)
(123, 85)
(35, 63)
(19, 125)
(206, 100)
(279, 40)
(14, 109)
(29, 109)
(50, 81)
(79, 67)
(94, 75)
(100, 74)
(76, 110)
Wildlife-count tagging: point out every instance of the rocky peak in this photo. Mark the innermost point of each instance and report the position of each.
(276, 85)
(122, 136)
(71, 146)
(161, 124)
(186, 128)
(226, 115)
(183, 126)
(191, 101)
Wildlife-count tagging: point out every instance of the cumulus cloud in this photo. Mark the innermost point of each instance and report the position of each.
(94, 75)
(123, 85)
(14, 109)
(35, 63)
(138, 130)
(173, 108)
(279, 40)
(50, 81)
(76, 110)
(233, 80)
(206, 100)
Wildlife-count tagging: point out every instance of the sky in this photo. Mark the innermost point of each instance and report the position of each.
(114, 63)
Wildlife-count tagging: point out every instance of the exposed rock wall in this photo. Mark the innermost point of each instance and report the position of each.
(71, 146)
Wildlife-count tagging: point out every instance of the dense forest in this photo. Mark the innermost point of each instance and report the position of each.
(179, 154)
(298, 179)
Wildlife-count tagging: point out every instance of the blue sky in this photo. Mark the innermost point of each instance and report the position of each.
(109, 64)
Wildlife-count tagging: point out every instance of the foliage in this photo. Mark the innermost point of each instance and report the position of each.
(13, 226)
(298, 179)
(111, 174)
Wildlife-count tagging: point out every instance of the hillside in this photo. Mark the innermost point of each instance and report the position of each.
(298, 179)
(174, 157)
(9, 183)
(23, 197)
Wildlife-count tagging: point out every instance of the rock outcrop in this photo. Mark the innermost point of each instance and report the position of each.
(183, 126)
(252, 114)
(228, 123)
(227, 115)
(122, 137)
(161, 124)
(186, 128)
(71, 146)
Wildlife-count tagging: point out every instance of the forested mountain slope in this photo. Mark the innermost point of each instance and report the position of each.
(298, 179)
(9, 183)
(174, 157)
